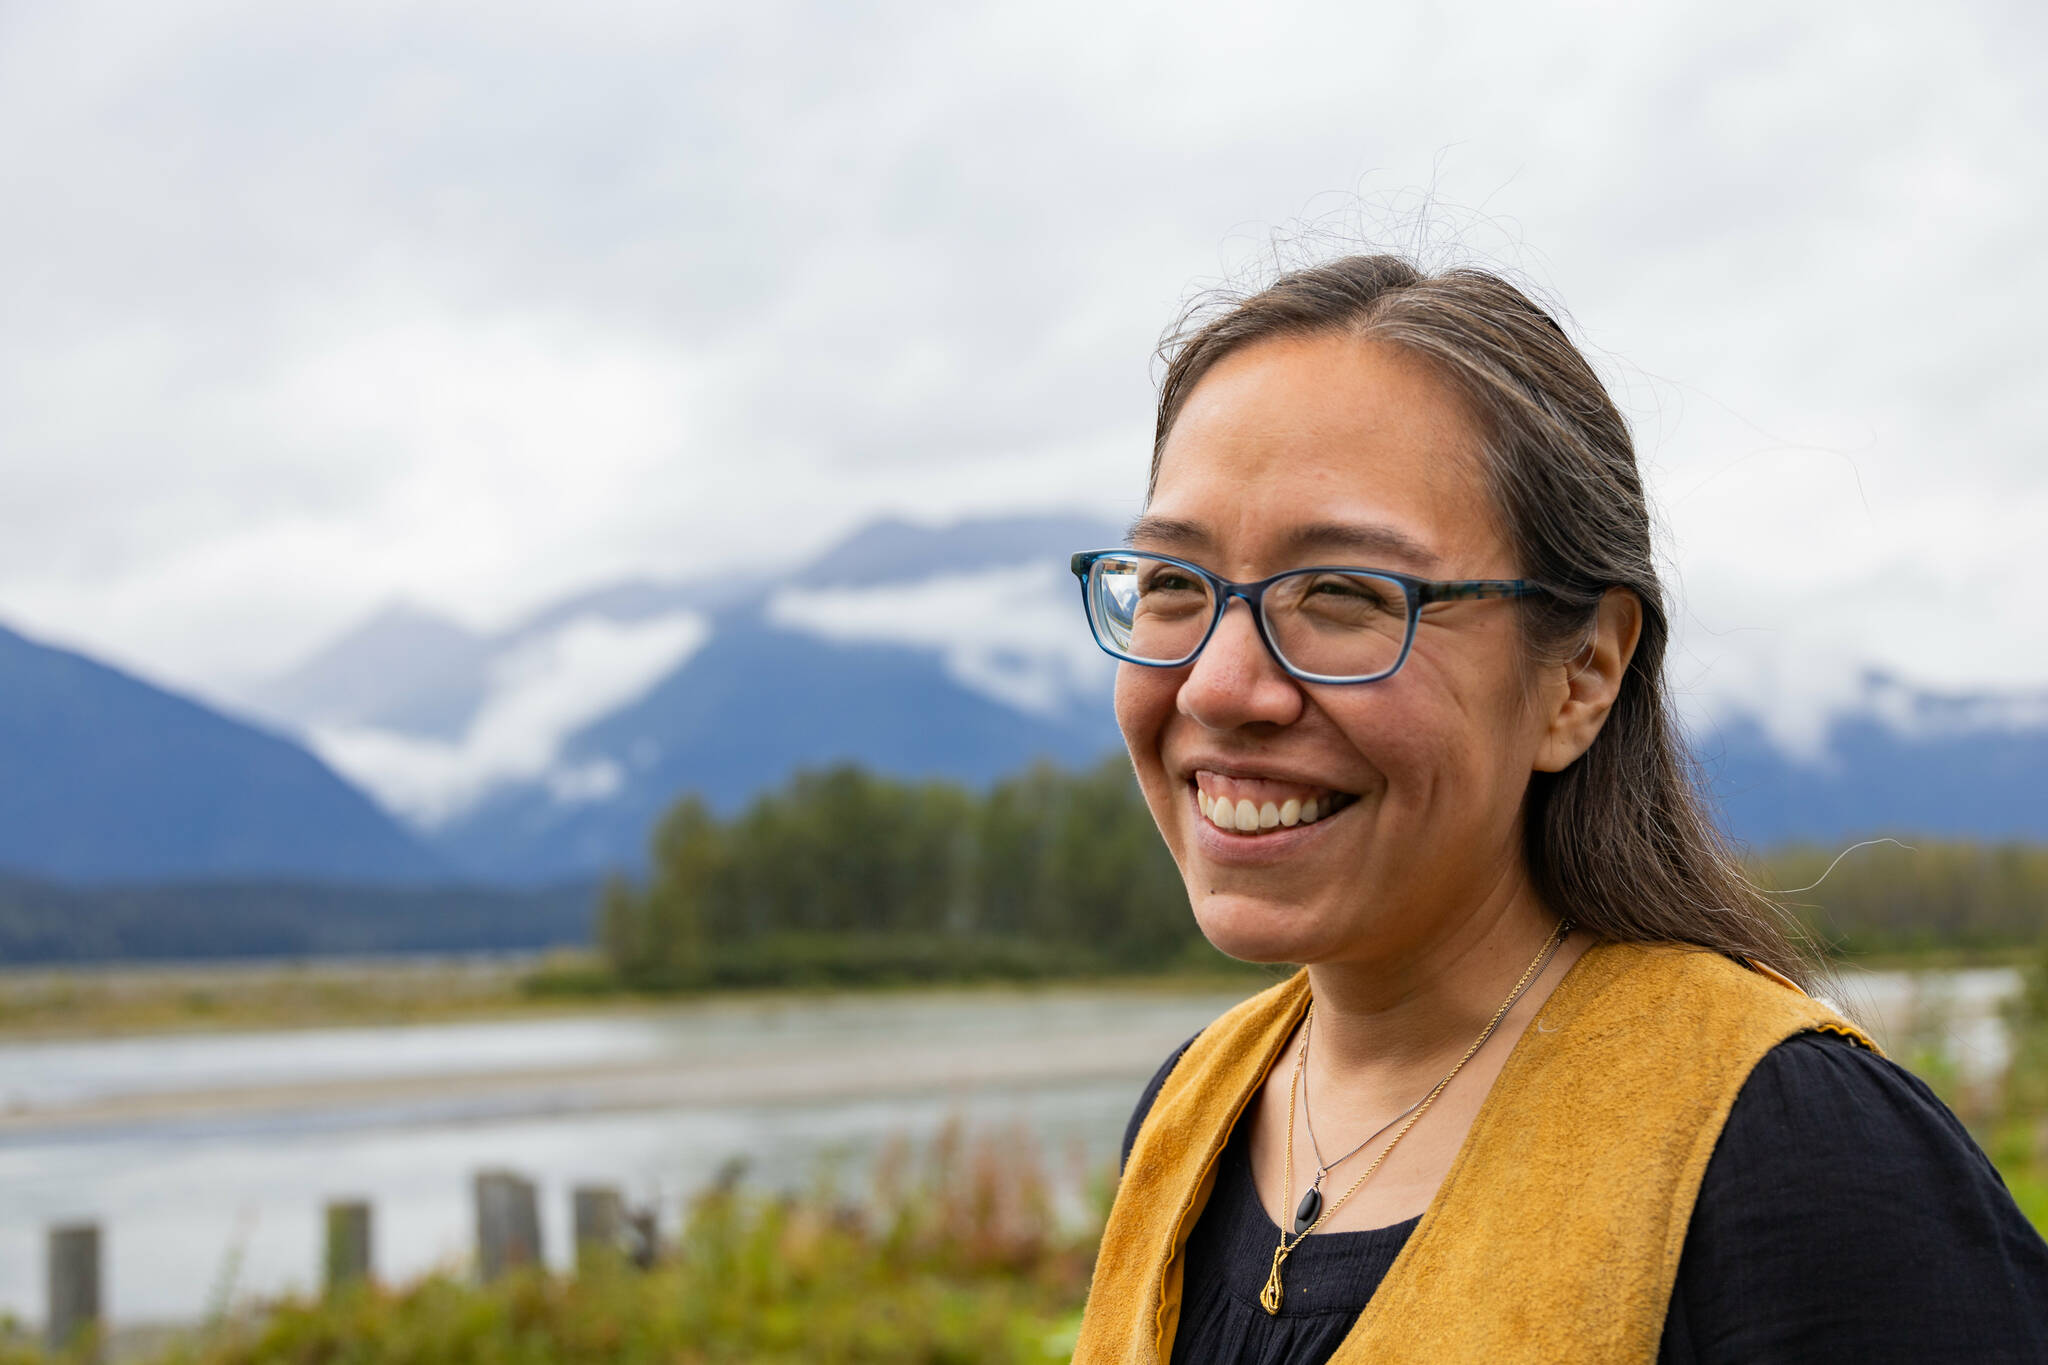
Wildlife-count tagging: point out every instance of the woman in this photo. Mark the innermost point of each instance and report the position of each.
(1545, 1090)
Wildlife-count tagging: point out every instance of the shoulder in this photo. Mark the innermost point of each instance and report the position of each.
(1847, 1215)
(1820, 1111)
(1145, 1099)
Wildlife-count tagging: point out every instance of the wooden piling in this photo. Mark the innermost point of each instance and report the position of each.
(643, 1242)
(348, 1243)
(74, 1271)
(507, 1223)
(600, 1217)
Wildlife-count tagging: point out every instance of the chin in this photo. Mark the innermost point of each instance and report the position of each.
(1251, 929)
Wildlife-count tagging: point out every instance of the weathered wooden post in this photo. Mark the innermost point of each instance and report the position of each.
(348, 1243)
(645, 1242)
(600, 1225)
(74, 1271)
(507, 1223)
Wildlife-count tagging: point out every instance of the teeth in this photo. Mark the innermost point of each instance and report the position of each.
(1244, 817)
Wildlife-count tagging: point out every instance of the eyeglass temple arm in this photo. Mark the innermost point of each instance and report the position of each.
(1478, 589)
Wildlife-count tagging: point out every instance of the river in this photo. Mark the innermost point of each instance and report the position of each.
(206, 1158)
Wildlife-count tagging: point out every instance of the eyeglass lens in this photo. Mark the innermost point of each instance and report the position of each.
(1329, 623)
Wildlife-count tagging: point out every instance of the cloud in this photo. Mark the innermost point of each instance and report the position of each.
(1012, 634)
(327, 304)
(542, 692)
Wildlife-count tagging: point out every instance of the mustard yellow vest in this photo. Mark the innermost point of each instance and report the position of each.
(1555, 1234)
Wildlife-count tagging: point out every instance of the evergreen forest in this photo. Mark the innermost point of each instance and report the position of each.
(843, 876)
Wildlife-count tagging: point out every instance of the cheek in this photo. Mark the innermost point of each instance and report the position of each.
(1145, 701)
(1428, 746)
(1402, 745)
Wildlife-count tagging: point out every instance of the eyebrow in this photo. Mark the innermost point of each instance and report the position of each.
(1363, 538)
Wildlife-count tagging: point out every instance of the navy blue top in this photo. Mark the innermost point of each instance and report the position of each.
(1844, 1216)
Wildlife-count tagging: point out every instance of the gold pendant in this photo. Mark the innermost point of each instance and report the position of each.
(1269, 1297)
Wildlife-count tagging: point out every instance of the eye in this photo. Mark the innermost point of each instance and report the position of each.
(1169, 578)
(1340, 601)
(1356, 592)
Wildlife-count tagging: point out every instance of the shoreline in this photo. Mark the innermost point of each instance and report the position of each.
(110, 1000)
(104, 1001)
(757, 1076)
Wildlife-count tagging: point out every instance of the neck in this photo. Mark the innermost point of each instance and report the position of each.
(1403, 1010)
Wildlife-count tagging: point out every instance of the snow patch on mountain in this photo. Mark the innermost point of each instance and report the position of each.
(1794, 697)
(538, 693)
(1928, 715)
(1802, 697)
(1013, 634)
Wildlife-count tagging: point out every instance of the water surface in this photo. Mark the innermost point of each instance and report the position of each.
(206, 1158)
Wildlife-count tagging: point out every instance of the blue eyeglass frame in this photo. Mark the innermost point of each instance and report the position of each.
(1420, 592)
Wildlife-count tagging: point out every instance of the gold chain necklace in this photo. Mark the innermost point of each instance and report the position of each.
(1312, 1214)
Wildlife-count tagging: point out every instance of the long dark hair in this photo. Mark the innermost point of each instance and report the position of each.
(1621, 841)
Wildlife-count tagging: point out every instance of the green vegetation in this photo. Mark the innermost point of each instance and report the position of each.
(44, 923)
(844, 877)
(1916, 896)
(2009, 1116)
(956, 1258)
(69, 1002)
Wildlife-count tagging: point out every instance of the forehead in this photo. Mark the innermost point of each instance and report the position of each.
(1301, 449)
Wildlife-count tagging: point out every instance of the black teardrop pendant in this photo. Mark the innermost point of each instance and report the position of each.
(1311, 1205)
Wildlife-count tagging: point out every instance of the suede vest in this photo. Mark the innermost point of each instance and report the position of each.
(1556, 1232)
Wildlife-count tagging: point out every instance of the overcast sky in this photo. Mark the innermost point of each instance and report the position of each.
(310, 306)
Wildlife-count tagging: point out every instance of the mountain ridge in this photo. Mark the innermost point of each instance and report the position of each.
(104, 776)
(1884, 755)
(951, 651)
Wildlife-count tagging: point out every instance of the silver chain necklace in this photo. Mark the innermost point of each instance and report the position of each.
(1312, 1200)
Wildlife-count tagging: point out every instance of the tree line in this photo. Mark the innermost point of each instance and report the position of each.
(843, 875)
(1907, 894)
(45, 922)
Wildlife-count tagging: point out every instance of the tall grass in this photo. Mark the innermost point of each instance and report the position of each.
(2015, 1136)
(958, 1256)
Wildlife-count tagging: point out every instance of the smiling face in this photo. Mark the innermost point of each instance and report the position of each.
(1317, 451)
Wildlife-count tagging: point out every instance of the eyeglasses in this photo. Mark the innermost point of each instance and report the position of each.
(1323, 625)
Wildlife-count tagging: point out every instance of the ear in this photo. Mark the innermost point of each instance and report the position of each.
(1592, 681)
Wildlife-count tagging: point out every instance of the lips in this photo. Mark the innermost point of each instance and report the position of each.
(1259, 805)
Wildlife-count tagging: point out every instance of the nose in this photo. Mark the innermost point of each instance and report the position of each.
(1236, 681)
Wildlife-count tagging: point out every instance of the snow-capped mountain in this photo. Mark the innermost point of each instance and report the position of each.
(549, 750)
(959, 651)
(1887, 758)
